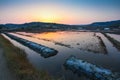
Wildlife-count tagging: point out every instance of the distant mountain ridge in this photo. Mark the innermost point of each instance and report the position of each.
(34, 25)
(106, 24)
(42, 25)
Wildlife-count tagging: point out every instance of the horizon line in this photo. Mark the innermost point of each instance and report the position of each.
(58, 22)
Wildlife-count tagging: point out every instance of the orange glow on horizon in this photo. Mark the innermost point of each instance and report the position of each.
(48, 15)
(52, 14)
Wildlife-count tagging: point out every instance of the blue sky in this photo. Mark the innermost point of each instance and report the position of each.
(59, 11)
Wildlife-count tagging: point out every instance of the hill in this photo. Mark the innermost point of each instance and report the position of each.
(101, 25)
(43, 26)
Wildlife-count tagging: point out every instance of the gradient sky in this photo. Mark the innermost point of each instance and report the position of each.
(59, 11)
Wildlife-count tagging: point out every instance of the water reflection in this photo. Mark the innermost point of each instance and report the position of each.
(80, 40)
(54, 65)
(115, 36)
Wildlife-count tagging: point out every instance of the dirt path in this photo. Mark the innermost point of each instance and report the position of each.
(4, 71)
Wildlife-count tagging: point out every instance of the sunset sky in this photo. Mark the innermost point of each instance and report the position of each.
(59, 11)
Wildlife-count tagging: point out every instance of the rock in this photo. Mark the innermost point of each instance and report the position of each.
(90, 70)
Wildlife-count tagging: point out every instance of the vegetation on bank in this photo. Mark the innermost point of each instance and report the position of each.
(18, 63)
(113, 41)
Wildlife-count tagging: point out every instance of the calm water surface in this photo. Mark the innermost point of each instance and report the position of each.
(79, 42)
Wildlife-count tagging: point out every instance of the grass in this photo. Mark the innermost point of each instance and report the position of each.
(18, 63)
(113, 41)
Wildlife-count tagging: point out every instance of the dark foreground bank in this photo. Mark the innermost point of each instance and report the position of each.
(18, 63)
